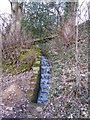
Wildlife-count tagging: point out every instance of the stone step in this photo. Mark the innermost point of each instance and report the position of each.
(45, 76)
(43, 90)
(45, 67)
(37, 62)
(35, 68)
(44, 82)
(43, 97)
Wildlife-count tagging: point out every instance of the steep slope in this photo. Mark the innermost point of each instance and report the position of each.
(65, 99)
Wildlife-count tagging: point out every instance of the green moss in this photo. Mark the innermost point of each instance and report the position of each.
(36, 65)
(30, 92)
(34, 76)
(25, 61)
(38, 53)
(32, 85)
(33, 80)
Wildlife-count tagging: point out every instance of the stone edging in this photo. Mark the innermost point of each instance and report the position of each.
(32, 94)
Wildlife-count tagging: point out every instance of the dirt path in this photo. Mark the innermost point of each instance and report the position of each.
(14, 100)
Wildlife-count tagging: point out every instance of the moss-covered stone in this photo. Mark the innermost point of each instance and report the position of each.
(32, 94)
(36, 65)
(36, 89)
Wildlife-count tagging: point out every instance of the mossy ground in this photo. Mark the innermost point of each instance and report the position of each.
(25, 61)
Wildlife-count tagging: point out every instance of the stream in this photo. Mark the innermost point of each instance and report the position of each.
(44, 81)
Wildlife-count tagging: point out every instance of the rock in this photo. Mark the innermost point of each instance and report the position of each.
(39, 109)
(35, 68)
(9, 108)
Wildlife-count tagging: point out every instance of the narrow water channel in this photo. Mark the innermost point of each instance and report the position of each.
(44, 81)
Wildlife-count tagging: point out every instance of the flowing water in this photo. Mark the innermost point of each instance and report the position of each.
(44, 81)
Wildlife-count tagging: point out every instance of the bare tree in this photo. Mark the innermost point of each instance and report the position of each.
(16, 16)
(16, 10)
(66, 29)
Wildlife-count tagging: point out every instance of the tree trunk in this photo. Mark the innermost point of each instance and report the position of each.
(15, 29)
(67, 31)
(16, 10)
